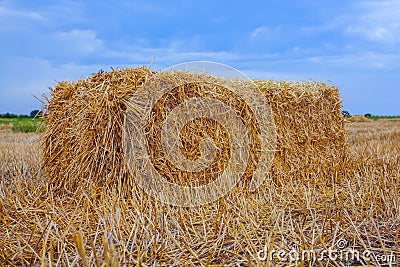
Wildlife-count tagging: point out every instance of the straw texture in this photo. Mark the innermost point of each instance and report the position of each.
(83, 139)
(73, 216)
(82, 144)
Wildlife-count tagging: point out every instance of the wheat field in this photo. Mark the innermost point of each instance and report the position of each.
(97, 228)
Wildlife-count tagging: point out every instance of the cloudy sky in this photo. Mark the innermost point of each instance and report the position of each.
(352, 44)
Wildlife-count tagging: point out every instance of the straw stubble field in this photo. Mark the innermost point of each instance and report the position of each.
(93, 228)
(72, 201)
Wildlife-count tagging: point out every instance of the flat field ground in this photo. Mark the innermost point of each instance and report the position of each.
(359, 215)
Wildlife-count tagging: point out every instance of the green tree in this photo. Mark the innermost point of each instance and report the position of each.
(346, 114)
(34, 113)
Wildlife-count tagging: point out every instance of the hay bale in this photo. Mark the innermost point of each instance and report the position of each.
(358, 118)
(311, 146)
(175, 113)
(83, 139)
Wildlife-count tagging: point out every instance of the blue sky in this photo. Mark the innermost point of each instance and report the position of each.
(352, 44)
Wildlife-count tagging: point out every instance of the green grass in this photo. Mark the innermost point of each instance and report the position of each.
(12, 120)
(24, 125)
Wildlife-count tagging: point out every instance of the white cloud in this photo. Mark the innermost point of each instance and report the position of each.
(7, 13)
(14, 20)
(38, 74)
(260, 31)
(378, 21)
(175, 51)
(373, 21)
(362, 60)
(80, 41)
(265, 32)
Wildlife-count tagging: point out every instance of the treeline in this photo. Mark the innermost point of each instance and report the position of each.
(11, 116)
(347, 114)
(32, 114)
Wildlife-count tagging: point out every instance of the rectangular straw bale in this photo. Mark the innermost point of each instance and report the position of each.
(310, 131)
(82, 144)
